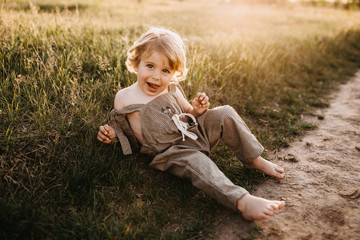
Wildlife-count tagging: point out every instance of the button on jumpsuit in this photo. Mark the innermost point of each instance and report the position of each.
(182, 155)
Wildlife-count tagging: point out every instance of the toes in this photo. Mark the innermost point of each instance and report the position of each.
(269, 212)
(279, 175)
(274, 206)
(281, 205)
(278, 205)
(279, 169)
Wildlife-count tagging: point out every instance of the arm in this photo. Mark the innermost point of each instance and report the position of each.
(106, 133)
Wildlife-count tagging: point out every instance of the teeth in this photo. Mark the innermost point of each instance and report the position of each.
(152, 85)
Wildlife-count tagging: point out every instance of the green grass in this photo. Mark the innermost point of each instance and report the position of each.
(61, 63)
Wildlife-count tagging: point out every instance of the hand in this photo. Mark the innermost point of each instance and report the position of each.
(106, 134)
(200, 103)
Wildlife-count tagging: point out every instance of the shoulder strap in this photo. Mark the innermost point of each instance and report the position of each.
(173, 87)
(123, 130)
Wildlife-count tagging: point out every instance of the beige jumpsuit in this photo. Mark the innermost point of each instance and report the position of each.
(184, 150)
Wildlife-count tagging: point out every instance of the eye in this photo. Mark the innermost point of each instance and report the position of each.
(166, 71)
(150, 65)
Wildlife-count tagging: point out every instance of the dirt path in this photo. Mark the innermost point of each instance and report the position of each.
(322, 188)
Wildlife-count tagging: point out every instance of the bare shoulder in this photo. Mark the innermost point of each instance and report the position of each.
(124, 97)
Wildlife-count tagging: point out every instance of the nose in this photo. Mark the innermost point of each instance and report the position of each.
(156, 75)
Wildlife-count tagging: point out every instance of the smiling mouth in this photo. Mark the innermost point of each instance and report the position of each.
(153, 87)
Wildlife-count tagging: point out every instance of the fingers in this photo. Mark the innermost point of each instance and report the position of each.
(105, 129)
(200, 103)
(207, 105)
(108, 128)
(195, 103)
(105, 134)
(103, 138)
(202, 100)
(110, 132)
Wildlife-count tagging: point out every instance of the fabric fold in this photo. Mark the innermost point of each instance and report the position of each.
(123, 132)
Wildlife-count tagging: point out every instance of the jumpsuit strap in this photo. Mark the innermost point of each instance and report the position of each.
(174, 86)
(122, 128)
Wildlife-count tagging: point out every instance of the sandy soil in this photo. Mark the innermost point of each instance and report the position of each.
(322, 184)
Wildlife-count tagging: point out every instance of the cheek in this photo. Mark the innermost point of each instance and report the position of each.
(141, 74)
(167, 79)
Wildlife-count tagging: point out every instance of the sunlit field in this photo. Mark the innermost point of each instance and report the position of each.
(61, 63)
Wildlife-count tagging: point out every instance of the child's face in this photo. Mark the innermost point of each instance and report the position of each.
(154, 73)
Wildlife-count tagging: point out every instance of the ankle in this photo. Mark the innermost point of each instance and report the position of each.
(241, 202)
(254, 162)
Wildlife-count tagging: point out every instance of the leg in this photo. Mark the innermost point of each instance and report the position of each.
(205, 175)
(202, 172)
(224, 123)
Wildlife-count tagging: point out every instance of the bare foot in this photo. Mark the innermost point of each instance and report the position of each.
(257, 208)
(267, 167)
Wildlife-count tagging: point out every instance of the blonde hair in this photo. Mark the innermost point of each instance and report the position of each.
(167, 42)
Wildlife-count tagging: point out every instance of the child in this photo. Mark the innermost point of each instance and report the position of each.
(155, 113)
